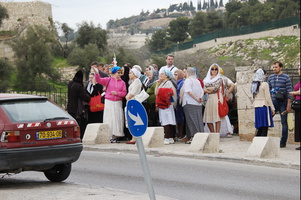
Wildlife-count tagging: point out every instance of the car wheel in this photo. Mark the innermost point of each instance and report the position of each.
(58, 173)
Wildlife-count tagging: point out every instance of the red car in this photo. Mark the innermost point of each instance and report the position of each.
(37, 135)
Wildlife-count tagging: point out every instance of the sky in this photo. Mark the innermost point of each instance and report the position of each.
(100, 12)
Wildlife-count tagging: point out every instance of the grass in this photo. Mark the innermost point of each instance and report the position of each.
(60, 63)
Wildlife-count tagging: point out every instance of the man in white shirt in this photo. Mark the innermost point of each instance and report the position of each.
(169, 65)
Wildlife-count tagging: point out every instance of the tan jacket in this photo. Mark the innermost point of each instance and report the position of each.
(263, 97)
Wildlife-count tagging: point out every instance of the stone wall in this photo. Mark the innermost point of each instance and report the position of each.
(244, 77)
(22, 14)
(26, 13)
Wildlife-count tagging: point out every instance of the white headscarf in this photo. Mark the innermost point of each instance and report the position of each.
(137, 67)
(191, 72)
(208, 79)
(257, 79)
(136, 72)
(259, 75)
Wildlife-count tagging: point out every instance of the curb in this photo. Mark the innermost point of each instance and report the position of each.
(212, 157)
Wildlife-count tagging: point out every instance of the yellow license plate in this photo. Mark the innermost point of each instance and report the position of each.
(46, 135)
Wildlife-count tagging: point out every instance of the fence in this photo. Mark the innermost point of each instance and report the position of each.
(57, 96)
(232, 32)
(293, 74)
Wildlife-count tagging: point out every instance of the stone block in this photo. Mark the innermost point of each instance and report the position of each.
(264, 147)
(97, 133)
(276, 131)
(153, 137)
(205, 143)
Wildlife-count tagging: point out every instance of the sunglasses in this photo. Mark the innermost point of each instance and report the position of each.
(212, 69)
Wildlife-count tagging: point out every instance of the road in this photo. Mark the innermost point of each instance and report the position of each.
(177, 177)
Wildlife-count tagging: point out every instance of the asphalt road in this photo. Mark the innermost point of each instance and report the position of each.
(176, 177)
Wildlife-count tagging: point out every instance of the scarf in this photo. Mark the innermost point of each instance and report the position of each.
(208, 79)
(257, 79)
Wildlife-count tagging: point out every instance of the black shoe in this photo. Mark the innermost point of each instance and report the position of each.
(298, 148)
(282, 145)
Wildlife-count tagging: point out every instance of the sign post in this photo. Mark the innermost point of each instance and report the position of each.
(137, 122)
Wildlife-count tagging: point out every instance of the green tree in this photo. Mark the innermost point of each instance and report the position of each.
(122, 56)
(172, 7)
(3, 14)
(199, 6)
(34, 57)
(67, 31)
(221, 4)
(214, 21)
(89, 34)
(158, 41)
(83, 57)
(205, 5)
(5, 74)
(198, 25)
(212, 4)
(178, 29)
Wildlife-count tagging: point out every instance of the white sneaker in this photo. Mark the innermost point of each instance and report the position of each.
(171, 141)
(166, 141)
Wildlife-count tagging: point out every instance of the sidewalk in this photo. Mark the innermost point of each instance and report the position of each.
(231, 150)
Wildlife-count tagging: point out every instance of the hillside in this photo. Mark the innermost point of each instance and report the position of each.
(285, 49)
(152, 23)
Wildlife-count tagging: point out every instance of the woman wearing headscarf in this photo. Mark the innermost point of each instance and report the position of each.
(150, 104)
(226, 127)
(113, 112)
(94, 89)
(166, 97)
(180, 116)
(134, 89)
(192, 104)
(213, 82)
(78, 100)
(264, 108)
(125, 77)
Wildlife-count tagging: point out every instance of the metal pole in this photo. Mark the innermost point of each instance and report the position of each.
(145, 168)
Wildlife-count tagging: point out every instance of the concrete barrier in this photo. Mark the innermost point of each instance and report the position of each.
(97, 133)
(264, 147)
(205, 142)
(153, 137)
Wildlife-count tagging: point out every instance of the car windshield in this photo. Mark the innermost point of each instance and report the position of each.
(33, 111)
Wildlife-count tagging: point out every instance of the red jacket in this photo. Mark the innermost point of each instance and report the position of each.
(163, 97)
(201, 81)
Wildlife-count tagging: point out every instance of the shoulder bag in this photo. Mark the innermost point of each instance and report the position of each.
(296, 105)
(95, 103)
(280, 95)
(142, 96)
(223, 108)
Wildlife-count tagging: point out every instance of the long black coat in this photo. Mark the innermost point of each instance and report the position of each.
(76, 91)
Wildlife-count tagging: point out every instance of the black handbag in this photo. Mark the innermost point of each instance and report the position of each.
(280, 95)
(296, 105)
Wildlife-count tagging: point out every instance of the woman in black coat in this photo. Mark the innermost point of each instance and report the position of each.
(78, 101)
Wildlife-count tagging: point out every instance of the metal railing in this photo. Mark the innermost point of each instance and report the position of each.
(58, 96)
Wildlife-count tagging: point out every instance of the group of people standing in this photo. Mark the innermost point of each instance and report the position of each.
(179, 101)
(275, 96)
